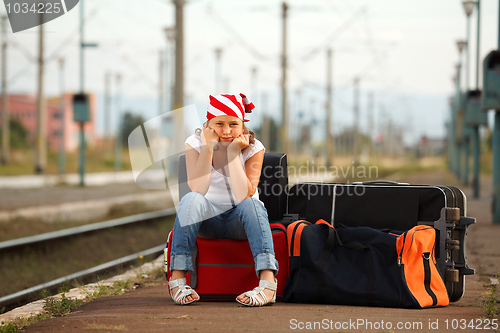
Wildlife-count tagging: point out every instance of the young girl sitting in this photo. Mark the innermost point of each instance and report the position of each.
(224, 162)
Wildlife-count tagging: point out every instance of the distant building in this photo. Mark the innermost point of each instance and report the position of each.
(24, 108)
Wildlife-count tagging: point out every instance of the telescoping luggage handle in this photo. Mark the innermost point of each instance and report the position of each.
(334, 238)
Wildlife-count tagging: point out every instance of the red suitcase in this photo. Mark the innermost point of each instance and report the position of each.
(222, 275)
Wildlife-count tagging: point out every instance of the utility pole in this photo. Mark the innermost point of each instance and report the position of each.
(284, 111)
(356, 122)
(119, 117)
(179, 53)
(170, 56)
(161, 86)
(218, 74)
(161, 101)
(330, 144)
(62, 121)
(476, 139)
(179, 74)
(41, 140)
(253, 98)
(107, 108)
(371, 111)
(81, 166)
(265, 134)
(5, 111)
(467, 131)
(496, 151)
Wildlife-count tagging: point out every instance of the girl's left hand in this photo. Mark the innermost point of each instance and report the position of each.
(241, 141)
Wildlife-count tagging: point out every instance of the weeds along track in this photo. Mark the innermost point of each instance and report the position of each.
(78, 255)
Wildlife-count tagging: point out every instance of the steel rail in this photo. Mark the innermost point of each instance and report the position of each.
(50, 236)
(23, 295)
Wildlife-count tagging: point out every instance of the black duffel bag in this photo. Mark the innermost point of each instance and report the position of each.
(362, 266)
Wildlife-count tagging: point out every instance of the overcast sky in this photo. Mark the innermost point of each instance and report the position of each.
(404, 52)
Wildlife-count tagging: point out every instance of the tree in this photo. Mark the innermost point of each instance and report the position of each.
(18, 134)
(130, 122)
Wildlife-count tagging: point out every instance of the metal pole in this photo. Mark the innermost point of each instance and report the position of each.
(161, 88)
(5, 111)
(254, 89)
(266, 124)
(496, 167)
(496, 152)
(466, 143)
(62, 120)
(296, 115)
(284, 111)
(478, 42)
(476, 139)
(179, 76)
(41, 142)
(218, 75)
(179, 54)
(356, 122)
(119, 117)
(107, 109)
(161, 100)
(329, 137)
(81, 167)
(371, 111)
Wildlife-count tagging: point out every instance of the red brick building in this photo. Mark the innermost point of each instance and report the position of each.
(24, 108)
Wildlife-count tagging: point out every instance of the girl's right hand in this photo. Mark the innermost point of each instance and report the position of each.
(209, 136)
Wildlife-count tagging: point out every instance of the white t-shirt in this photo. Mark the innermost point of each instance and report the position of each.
(219, 193)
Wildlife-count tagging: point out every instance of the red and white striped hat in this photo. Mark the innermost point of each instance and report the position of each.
(231, 105)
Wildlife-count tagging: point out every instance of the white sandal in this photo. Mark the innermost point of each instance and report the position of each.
(255, 300)
(183, 291)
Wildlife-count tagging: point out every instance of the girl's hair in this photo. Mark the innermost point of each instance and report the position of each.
(246, 130)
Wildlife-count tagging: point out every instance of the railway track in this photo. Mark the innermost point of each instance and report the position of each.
(39, 241)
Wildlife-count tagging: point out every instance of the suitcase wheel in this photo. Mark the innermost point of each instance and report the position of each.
(452, 275)
(452, 214)
(452, 244)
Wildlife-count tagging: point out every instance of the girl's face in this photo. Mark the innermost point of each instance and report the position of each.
(227, 127)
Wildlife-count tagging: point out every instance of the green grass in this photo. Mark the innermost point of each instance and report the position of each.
(97, 159)
(491, 307)
(60, 306)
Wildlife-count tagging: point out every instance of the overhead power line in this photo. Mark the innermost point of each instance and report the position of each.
(333, 36)
(240, 40)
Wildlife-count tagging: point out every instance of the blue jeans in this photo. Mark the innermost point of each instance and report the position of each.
(248, 220)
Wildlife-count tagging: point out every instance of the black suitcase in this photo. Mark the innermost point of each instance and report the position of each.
(395, 206)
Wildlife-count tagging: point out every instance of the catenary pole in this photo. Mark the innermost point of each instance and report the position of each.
(179, 72)
(476, 139)
(5, 110)
(62, 120)
(330, 144)
(41, 137)
(284, 104)
(496, 151)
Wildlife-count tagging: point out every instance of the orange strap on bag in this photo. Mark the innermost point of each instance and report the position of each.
(416, 255)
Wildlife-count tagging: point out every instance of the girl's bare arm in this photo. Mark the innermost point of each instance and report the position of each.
(244, 182)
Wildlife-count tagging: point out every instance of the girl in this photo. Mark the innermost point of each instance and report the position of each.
(224, 162)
